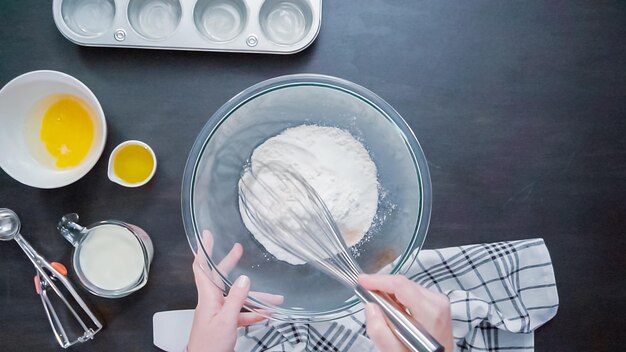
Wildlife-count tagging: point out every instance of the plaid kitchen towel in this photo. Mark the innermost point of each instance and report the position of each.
(499, 294)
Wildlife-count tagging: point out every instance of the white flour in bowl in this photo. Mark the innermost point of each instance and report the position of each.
(336, 165)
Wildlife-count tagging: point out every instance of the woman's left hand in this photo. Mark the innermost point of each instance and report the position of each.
(217, 318)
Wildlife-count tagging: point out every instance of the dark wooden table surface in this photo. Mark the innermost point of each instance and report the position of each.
(520, 107)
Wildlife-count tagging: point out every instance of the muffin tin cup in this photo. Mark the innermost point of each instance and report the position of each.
(255, 26)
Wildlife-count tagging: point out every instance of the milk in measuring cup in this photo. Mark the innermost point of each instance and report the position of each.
(111, 257)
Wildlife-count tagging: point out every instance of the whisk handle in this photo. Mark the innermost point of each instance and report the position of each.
(411, 333)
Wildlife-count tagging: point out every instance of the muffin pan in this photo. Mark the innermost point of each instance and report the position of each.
(259, 26)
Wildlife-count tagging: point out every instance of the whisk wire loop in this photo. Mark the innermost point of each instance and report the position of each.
(314, 245)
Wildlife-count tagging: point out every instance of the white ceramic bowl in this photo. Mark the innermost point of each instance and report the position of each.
(20, 106)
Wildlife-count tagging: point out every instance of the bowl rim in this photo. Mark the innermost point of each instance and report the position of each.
(70, 177)
(193, 234)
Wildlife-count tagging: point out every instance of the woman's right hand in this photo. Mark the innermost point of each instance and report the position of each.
(430, 309)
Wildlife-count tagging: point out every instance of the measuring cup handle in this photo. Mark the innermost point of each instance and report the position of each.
(70, 229)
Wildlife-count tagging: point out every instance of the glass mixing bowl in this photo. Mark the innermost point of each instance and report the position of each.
(224, 146)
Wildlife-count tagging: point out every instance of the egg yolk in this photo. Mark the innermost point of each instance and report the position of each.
(67, 131)
(133, 163)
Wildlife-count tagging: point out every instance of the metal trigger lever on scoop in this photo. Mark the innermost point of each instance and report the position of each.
(47, 279)
(307, 230)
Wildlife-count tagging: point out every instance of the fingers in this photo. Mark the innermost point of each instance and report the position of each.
(225, 266)
(429, 308)
(378, 330)
(200, 265)
(407, 292)
(235, 300)
(231, 259)
(203, 283)
(384, 283)
(207, 241)
(268, 297)
(209, 296)
(249, 318)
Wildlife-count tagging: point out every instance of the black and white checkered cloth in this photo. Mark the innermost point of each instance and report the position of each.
(499, 294)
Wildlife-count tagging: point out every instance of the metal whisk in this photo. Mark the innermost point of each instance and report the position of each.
(290, 213)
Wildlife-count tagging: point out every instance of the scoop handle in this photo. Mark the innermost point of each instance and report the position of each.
(71, 302)
(409, 332)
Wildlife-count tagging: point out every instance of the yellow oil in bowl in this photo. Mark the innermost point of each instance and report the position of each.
(132, 164)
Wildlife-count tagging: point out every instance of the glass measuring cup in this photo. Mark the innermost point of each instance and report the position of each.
(111, 258)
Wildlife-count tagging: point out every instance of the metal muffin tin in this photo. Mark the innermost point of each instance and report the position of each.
(257, 26)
